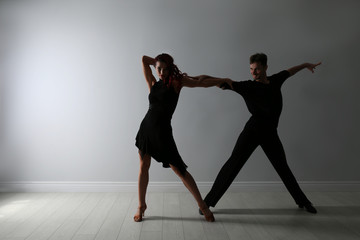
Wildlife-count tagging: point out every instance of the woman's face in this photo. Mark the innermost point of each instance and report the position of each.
(162, 70)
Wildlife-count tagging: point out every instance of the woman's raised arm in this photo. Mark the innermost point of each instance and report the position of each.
(146, 63)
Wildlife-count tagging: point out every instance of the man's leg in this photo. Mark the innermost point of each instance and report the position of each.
(274, 150)
(245, 146)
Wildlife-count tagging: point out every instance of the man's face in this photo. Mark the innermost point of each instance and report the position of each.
(258, 71)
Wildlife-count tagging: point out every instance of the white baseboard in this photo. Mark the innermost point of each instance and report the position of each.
(169, 186)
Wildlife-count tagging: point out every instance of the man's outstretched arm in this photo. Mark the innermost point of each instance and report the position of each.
(300, 67)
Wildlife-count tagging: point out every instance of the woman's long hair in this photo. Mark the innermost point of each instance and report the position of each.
(175, 75)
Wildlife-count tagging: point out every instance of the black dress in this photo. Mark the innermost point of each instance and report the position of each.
(155, 136)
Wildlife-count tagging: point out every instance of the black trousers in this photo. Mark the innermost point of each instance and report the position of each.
(250, 138)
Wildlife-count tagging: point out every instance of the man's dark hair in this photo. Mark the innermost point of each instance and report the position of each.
(259, 57)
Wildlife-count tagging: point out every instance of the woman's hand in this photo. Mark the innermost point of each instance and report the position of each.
(148, 61)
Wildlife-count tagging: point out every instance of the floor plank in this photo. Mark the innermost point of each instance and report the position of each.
(112, 225)
(73, 223)
(193, 228)
(26, 228)
(172, 222)
(58, 218)
(95, 220)
(131, 230)
(19, 223)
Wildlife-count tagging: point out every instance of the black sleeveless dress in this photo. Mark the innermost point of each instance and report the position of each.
(155, 136)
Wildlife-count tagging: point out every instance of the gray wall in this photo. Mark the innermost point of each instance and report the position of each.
(72, 92)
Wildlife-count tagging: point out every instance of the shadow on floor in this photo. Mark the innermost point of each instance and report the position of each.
(327, 210)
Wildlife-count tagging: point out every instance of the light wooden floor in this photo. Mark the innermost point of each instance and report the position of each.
(247, 215)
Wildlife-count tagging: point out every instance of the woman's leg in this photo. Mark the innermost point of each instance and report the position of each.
(190, 184)
(142, 184)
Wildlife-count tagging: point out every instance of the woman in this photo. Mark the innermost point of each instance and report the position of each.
(155, 138)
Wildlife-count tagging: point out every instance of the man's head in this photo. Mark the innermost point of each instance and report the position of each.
(258, 66)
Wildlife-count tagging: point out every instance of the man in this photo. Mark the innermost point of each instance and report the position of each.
(264, 101)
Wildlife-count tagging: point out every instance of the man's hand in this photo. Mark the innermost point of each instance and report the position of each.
(226, 84)
(300, 67)
(312, 66)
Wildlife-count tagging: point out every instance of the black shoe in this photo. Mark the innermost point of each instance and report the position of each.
(308, 207)
(200, 212)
